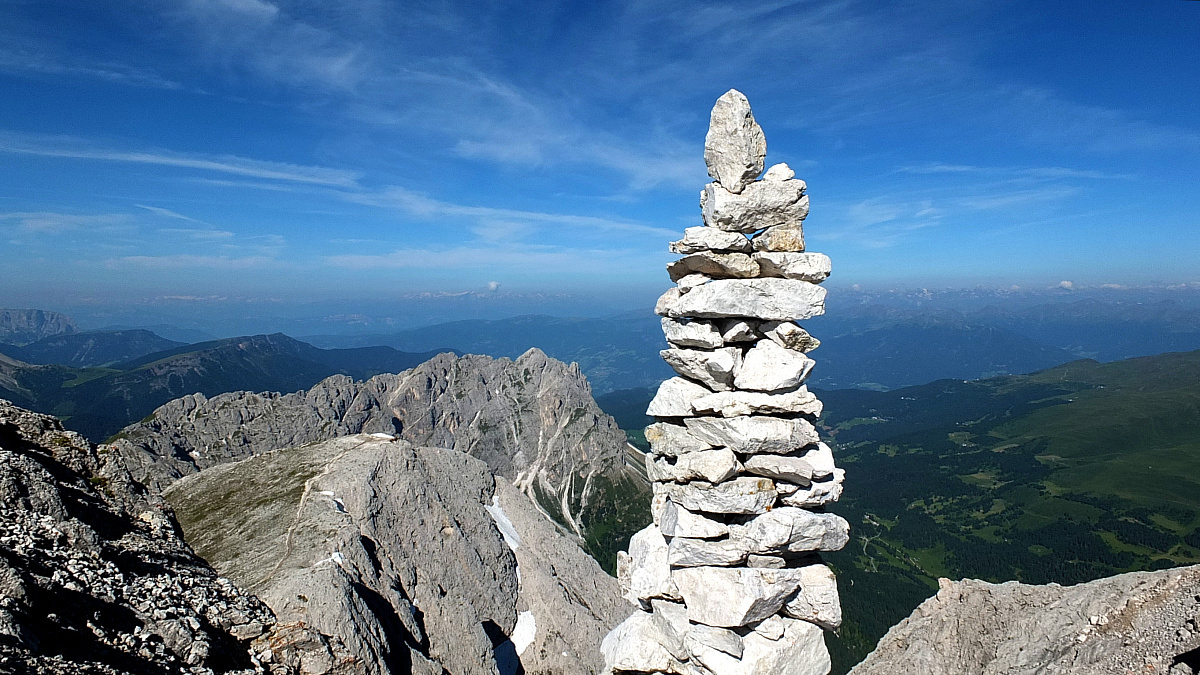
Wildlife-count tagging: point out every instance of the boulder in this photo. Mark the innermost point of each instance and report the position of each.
(712, 466)
(685, 552)
(794, 530)
(676, 521)
(737, 403)
(814, 267)
(737, 330)
(818, 493)
(672, 440)
(789, 237)
(735, 147)
(779, 172)
(800, 650)
(781, 468)
(743, 495)
(696, 239)
(674, 398)
(761, 205)
(715, 265)
(817, 601)
(649, 571)
(771, 298)
(752, 434)
(688, 333)
(788, 334)
(701, 637)
(645, 642)
(769, 367)
(715, 369)
(728, 597)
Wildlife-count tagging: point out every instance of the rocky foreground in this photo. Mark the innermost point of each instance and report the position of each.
(1142, 622)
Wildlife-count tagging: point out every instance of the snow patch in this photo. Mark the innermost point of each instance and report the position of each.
(504, 525)
(386, 437)
(523, 635)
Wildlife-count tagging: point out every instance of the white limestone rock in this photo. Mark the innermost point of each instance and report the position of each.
(818, 493)
(800, 650)
(696, 239)
(674, 398)
(794, 530)
(814, 267)
(728, 597)
(820, 458)
(689, 333)
(779, 172)
(624, 572)
(770, 367)
(735, 147)
(792, 470)
(773, 562)
(789, 335)
(715, 369)
(736, 403)
(818, 600)
(769, 298)
(789, 237)
(676, 521)
(771, 627)
(685, 552)
(645, 642)
(715, 265)
(737, 330)
(751, 434)
(672, 440)
(744, 495)
(712, 466)
(700, 637)
(649, 571)
(761, 205)
(691, 281)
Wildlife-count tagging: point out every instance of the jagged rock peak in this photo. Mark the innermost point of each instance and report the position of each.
(735, 148)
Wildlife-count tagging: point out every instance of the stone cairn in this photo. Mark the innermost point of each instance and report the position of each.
(728, 579)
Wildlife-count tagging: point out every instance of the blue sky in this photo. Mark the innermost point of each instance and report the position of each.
(271, 151)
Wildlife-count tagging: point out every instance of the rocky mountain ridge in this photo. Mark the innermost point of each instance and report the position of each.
(22, 326)
(1139, 622)
(531, 421)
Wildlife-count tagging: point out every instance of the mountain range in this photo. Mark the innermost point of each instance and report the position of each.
(99, 401)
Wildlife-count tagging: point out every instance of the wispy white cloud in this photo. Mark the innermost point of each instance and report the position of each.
(547, 261)
(188, 261)
(167, 213)
(197, 233)
(74, 148)
(419, 205)
(49, 222)
(1047, 172)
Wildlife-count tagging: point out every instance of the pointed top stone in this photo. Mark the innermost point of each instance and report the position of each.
(735, 148)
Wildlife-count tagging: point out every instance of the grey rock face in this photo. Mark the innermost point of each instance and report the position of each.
(95, 577)
(352, 537)
(22, 326)
(532, 421)
(1142, 622)
(735, 146)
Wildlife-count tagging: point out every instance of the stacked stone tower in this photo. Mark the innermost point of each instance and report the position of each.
(728, 579)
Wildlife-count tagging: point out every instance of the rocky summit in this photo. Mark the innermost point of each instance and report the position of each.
(728, 579)
(95, 577)
(531, 420)
(1140, 622)
(411, 559)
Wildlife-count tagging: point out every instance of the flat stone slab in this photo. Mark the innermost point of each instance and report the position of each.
(761, 205)
(728, 597)
(672, 440)
(818, 493)
(794, 530)
(770, 298)
(768, 366)
(674, 398)
(745, 495)
(818, 601)
(738, 403)
(814, 267)
(676, 521)
(753, 434)
(688, 333)
(800, 650)
(715, 266)
(696, 239)
(714, 369)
